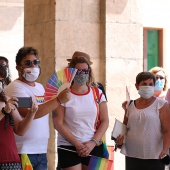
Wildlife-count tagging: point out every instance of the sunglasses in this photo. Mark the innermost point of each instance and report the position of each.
(82, 71)
(160, 77)
(29, 63)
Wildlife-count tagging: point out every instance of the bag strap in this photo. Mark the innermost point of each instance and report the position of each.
(95, 91)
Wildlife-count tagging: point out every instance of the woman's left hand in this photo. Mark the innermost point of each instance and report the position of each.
(88, 148)
(119, 140)
(11, 104)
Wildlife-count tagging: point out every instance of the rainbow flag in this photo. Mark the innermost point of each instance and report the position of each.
(98, 163)
(26, 164)
(111, 152)
(40, 99)
(105, 151)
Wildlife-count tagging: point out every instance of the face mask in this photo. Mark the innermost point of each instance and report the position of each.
(1, 87)
(159, 84)
(31, 74)
(81, 79)
(7, 72)
(146, 91)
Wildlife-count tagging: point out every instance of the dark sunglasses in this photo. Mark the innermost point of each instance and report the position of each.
(83, 71)
(29, 63)
(159, 77)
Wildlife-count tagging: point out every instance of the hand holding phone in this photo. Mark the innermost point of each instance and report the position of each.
(24, 102)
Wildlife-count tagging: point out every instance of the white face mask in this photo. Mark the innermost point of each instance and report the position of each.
(146, 91)
(1, 87)
(31, 74)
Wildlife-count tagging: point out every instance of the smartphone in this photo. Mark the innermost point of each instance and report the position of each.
(24, 102)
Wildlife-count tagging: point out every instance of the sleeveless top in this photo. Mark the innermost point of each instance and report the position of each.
(8, 149)
(144, 138)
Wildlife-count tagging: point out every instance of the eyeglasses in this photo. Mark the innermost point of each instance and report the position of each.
(160, 77)
(82, 71)
(29, 63)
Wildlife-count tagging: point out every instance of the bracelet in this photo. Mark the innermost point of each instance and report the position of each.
(58, 100)
(9, 117)
(96, 142)
(4, 112)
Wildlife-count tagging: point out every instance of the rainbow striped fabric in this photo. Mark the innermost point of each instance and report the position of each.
(40, 99)
(105, 151)
(98, 163)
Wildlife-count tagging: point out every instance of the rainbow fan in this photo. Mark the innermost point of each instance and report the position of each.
(59, 81)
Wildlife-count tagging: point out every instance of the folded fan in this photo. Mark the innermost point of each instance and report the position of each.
(59, 81)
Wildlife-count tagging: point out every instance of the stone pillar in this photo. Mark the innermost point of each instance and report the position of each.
(57, 29)
(39, 31)
(109, 31)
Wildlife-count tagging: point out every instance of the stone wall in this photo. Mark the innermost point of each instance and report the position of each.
(111, 32)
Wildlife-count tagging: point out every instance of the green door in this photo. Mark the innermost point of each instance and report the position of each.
(152, 48)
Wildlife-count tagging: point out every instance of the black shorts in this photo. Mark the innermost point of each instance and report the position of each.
(67, 158)
(143, 164)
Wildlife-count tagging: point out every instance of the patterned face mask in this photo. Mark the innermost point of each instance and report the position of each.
(81, 79)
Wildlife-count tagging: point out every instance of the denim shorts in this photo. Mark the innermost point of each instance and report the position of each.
(38, 161)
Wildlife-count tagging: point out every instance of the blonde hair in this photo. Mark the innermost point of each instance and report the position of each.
(155, 70)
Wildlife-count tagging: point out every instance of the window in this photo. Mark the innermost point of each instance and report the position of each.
(153, 48)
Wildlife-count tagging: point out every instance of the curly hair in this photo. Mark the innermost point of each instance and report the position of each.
(23, 52)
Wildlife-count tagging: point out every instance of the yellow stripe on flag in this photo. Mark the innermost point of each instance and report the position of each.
(26, 164)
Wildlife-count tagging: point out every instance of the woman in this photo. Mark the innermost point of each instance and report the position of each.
(75, 120)
(10, 122)
(148, 135)
(161, 84)
(4, 62)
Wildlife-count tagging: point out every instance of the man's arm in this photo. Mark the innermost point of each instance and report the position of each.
(48, 106)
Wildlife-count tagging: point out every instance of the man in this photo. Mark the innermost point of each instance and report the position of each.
(34, 142)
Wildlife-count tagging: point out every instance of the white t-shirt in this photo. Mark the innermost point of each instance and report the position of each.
(35, 140)
(80, 116)
(144, 138)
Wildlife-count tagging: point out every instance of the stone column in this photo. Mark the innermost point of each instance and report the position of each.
(57, 28)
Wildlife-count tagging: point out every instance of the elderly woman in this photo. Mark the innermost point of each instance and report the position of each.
(161, 84)
(148, 135)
